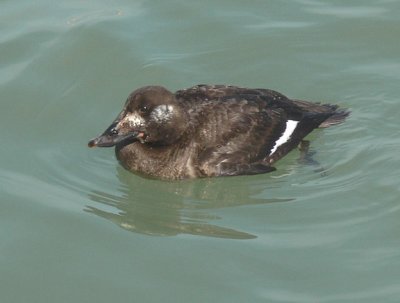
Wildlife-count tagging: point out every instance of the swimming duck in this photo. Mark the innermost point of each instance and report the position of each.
(211, 130)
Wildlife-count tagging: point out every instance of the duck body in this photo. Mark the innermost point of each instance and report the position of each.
(211, 130)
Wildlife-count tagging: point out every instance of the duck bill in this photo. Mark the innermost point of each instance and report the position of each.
(111, 137)
(106, 140)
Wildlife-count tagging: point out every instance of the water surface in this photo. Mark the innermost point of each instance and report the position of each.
(75, 226)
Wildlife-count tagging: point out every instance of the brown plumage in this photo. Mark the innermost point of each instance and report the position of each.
(211, 130)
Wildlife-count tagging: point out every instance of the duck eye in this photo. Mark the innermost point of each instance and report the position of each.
(143, 109)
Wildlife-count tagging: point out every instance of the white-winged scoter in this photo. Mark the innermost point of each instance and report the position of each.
(211, 130)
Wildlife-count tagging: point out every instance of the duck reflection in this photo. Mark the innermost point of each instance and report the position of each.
(161, 208)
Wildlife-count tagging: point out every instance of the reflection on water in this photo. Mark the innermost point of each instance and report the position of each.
(177, 207)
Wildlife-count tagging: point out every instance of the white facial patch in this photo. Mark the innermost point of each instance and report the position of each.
(162, 113)
(290, 127)
(134, 120)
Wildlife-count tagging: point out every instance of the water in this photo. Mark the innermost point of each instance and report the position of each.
(76, 227)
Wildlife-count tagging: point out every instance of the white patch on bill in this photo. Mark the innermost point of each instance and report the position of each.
(162, 113)
(134, 120)
(290, 127)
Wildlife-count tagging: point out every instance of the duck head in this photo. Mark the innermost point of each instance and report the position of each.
(151, 115)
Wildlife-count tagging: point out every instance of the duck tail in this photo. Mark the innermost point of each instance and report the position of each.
(338, 115)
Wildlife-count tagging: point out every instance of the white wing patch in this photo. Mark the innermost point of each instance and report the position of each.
(290, 127)
(162, 113)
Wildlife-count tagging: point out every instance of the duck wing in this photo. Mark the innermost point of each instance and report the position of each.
(244, 131)
(234, 131)
(295, 109)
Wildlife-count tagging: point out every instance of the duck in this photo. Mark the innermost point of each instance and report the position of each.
(211, 130)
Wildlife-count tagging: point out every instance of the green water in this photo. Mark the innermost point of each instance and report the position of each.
(76, 227)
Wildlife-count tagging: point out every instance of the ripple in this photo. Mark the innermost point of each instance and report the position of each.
(280, 25)
(349, 11)
(96, 15)
(33, 189)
